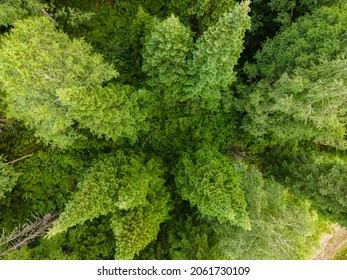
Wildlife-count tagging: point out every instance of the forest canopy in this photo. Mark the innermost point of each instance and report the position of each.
(171, 129)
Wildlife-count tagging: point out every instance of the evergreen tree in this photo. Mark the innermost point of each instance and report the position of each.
(301, 94)
(209, 182)
(127, 188)
(36, 62)
(12, 10)
(216, 53)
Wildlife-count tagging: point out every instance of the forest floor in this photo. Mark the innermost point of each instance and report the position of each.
(331, 243)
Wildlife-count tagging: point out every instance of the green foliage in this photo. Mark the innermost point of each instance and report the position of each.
(309, 41)
(282, 227)
(37, 61)
(341, 254)
(307, 105)
(8, 178)
(208, 180)
(193, 239)
(91, 241)
(301, 94)
(184, 156)
(112, 111)
(12, 10)
(217, 52)
(165, 55)
(201, 14)
(319, 177)
(130, 189)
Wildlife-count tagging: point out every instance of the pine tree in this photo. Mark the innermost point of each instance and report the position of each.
(165, 55)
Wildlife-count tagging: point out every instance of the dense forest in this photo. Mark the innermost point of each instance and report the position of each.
(152, 129)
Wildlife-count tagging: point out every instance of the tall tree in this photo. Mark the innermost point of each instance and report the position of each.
(301, 96)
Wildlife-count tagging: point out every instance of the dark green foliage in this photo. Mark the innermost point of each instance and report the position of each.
(319, 177)
(8, 178)
(307, 42)
(194, 239)
(201, 14)
(301, 95)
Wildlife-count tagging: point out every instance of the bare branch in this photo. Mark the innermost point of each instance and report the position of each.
(18, 159)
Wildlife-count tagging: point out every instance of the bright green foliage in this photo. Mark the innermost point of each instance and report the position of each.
(208, 180)
(12, 10)
(112, 111)
(165, 55)
(217, 52)
(8, 178)
(130, 189)
(282, 227)
(184, 156)
(38, 60)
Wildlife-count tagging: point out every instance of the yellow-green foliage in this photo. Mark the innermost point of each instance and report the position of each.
(37, 60)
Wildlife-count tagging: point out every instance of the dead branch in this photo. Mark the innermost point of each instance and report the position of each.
(28, 233)
(18, 159)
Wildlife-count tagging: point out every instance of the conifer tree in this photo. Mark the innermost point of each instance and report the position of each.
(215, 55)
(128, 189)
(37, 61)
(302, 94)
(12, 10)
(209, 182)
(165, 55)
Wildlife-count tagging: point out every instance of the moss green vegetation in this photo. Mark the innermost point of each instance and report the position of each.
(172, 129)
